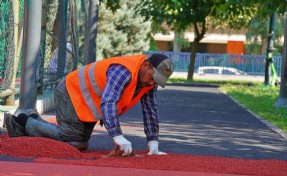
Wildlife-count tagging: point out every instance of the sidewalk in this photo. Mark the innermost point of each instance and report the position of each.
(225, 77)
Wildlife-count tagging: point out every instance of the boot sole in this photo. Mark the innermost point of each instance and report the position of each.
(13, 128)
(8, 123)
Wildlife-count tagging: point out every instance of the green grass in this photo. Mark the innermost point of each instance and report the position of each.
(221, 82)
(256, 98)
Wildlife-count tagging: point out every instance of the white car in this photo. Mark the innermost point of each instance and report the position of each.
(219, 70)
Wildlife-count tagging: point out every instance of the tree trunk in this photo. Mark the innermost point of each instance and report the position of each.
(56, 28)
(175, 42)
(192, 59)
(263, 46)
(198, 36)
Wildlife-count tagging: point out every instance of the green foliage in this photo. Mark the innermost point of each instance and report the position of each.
(258, 30)
(121, 32)
(234, 14)
(267, 7)
(182, 15)
(112, 5)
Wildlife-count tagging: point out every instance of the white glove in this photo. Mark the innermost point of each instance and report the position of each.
(153, 148)
(124, 144)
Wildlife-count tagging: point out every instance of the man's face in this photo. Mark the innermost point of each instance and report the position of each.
(145, 76)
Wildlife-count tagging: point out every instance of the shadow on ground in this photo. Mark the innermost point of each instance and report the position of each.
(201, 121)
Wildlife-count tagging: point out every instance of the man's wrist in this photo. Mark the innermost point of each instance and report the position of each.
(152, 138)
(115, 132)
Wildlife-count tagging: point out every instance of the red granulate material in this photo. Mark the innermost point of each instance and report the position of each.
(182, 162)
(4, 136)
(37, 147)
(46, 150)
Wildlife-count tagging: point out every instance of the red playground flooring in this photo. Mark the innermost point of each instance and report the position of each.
(49, 157)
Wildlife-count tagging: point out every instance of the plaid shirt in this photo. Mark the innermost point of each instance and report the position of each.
(118, 78)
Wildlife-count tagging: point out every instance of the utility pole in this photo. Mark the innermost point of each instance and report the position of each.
(30, 54)
(282, 100)
(270, 48)
(92, 31)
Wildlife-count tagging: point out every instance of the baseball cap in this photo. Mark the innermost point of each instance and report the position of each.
(163, 68)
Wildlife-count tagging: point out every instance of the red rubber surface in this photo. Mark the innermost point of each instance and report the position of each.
(28, 169)
(54, 152)
(35, 147)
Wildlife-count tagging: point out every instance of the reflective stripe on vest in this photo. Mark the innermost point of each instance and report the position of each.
(86, 86)
(85, 92)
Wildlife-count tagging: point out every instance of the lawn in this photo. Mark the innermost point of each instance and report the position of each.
(254, 96)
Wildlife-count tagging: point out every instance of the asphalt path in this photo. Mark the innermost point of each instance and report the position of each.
(200, 120)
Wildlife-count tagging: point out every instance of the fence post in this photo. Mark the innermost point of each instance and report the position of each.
(31, 45)
(92, 31)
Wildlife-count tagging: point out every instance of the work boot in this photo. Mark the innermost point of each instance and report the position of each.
(36, 116)
(14, 129)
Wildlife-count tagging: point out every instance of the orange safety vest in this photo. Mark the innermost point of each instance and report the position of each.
(86, 86)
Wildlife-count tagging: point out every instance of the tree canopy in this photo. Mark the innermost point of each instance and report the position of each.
(122, 31)
(258, 31)
(200, 15)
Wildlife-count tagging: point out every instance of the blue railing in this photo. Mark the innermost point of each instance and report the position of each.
(248, 64)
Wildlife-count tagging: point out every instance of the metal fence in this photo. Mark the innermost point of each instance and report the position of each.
(63, 36)
(9, 24)
(229, 63)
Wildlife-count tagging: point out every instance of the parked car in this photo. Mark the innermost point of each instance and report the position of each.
(219, 70)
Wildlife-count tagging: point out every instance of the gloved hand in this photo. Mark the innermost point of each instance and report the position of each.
(153, 148)
(124, 144)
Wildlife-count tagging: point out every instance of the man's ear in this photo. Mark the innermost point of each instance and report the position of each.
(146, 64)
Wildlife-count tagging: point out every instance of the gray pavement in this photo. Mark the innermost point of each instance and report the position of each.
(199, 120)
